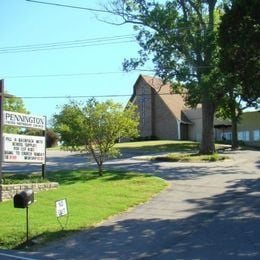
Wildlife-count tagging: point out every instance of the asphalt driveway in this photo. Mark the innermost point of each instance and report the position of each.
(209, 211)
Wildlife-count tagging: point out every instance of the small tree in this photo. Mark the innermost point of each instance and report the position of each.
(51, 138)
(95, 127)
(14, 104)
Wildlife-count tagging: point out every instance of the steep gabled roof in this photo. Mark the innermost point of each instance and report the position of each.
(174, 102)
(153, 82)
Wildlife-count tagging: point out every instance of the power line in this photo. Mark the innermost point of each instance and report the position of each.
(101, 41)
(62, 75)
(94, 96)
(99, 11)
(65, 47)
(51, 44)
(82, 74)
(85, 74)
(69, 6)
(70, 97)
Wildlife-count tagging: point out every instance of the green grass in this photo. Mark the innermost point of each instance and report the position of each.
(91, 199)
(184, 157)
(160, 146)
(10, 178)
(167, 146)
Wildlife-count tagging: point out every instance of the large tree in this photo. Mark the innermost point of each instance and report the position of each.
(95, 127)
(180, 37)
(239, 37)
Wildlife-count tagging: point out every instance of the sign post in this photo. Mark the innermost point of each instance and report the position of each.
(21, 148)
(61, 209)
(44, 164)
(24, 148)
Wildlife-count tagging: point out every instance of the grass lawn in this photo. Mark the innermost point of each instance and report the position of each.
(176, 151)
(91, 199)
(160, 146)
(190, 157)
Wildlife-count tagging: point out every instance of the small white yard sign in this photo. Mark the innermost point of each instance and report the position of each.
(61, 208)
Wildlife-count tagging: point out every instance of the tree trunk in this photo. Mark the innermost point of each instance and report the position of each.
(100, 169)
(234, 141)
(207, 145)
(234, 119)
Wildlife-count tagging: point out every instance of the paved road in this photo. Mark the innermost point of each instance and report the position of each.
(56, 160)
(209, 211)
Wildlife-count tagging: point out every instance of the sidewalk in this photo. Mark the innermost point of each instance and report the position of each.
(209, 211)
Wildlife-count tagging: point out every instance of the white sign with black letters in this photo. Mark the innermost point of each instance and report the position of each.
(24, 120)
(23, 148)
(61, 208)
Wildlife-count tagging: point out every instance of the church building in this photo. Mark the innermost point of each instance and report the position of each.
(164, 115)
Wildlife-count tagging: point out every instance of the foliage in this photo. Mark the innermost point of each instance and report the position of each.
(90, 201)
(239, 37)
(95, 127)
(14, 104)
(231, 108)
(20, 178)
(180, 37)
(52, 138)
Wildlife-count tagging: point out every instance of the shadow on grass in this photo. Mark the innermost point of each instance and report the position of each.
(122, 175)
(77, 176)
(224, 226)
(13, 178)
(68, 177)
(43, 239)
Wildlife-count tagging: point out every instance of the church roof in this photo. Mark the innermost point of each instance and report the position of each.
(175, 102)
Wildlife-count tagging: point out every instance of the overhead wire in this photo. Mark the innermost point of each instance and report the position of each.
(69, 44)
(85, 74)
(62, 75)
(97, 39)
(97, 10)
(93, 96)
(69, 6)
(81, 74)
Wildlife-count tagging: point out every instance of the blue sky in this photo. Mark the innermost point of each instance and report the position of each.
(26, 23)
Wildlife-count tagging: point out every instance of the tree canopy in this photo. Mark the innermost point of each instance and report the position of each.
(239, 38)
(180, 37)
(14, 104)
(95, 127)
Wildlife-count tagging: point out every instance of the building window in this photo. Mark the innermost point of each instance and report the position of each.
(243, 136)
(256, 135)
(227, 136)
